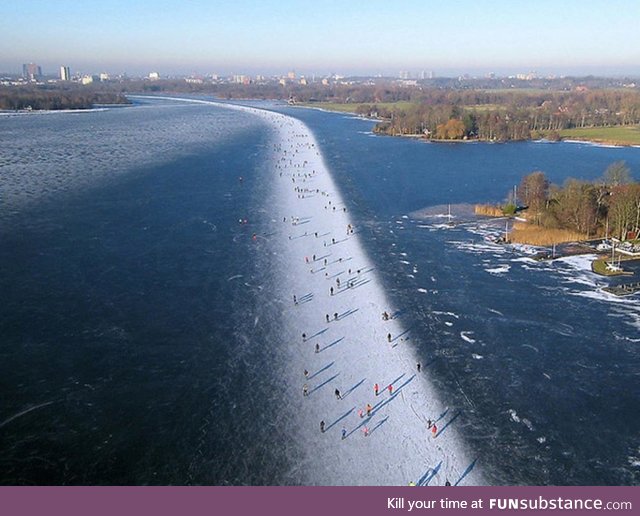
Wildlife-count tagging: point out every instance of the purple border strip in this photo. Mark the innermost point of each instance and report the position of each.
(310, 501)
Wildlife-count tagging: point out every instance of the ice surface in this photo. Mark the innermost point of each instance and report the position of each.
(347, 345)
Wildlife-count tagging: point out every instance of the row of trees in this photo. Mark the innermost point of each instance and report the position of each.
(610, 204)
(38, 98)
(510, 116)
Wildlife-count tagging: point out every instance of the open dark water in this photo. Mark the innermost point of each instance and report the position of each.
(134, 306)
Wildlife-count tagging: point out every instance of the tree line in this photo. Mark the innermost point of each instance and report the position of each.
(507, 116)
(609, 205)
(73, 98)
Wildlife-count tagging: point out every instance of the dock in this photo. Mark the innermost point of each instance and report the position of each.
(625, 289)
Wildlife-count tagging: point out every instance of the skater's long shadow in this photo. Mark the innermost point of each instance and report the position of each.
(335, 275)
(401, 335)
(305, 299)
(398, 313)
(382, 403)
(356, 428)
(430, 362)
(397, 379)
(428, 475)
(446, 411)
(321, 370)
(323, 384)
(322, 257)
(359, 283)
(298, 236)
(380, 423)
(338, 260)
(466, 471)
(332, 344)
(353, 286)
(448, 423)
(347, 313)
(348, 412)
(317, 334)
(315, 271)
(353, 388)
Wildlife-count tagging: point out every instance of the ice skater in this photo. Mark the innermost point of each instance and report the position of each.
(389, 337)
(419, 367)
(390, 388)
(375, 389)
(327, 316)
(305, 390)
(322, 426)
(369, 409)
(344, 433)
(331, 290)
(317, 348)
(429, 424)
(337, 393)
(434, 431)
(304, 337)
(306, 373)
(295, 300)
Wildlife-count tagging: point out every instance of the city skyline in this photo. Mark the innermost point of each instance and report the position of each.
(357, 38)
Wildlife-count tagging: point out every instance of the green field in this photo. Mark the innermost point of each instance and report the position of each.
(618, 135)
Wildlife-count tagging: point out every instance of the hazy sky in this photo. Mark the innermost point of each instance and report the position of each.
(320, 36)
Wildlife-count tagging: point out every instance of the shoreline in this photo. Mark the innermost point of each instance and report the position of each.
(572, 139)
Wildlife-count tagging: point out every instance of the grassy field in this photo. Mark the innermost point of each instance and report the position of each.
(599, 266)
(352, 107)
(619, 135)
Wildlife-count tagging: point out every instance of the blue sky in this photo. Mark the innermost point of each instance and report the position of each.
(322, 36)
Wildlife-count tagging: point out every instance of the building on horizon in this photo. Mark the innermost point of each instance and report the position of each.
(154, 76)
(31, 71)
(65, 73)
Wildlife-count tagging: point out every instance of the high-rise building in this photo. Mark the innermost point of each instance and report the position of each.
(65, 73)
(31, 71)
